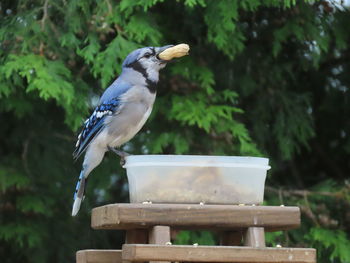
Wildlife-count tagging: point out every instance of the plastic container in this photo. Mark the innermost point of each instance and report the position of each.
(196, 179)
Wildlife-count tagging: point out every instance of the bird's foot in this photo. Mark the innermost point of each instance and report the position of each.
(121, 154)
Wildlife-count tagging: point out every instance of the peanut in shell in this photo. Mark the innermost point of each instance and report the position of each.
(174, 52)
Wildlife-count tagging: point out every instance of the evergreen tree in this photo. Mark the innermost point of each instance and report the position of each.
(264, 78)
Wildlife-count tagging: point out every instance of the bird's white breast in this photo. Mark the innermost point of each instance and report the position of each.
(137, 107)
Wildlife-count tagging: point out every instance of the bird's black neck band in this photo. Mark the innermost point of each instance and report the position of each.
(150, 84)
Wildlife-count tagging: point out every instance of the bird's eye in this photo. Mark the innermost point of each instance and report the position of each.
(147, 55)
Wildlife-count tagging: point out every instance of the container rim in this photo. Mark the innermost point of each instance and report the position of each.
(144, 164)
(196, 161)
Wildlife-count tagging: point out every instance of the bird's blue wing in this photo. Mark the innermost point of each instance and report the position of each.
(94, 124)
(109, 104)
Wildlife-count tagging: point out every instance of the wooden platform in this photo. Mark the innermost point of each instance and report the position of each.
(99, 256)
(138, 252)
(183, 216)
(241, 230)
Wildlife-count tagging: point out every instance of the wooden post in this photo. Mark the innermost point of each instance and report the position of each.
(254, 237)
(136, 236)
(159, 235)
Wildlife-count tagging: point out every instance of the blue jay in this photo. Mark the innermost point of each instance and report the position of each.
(123, 109)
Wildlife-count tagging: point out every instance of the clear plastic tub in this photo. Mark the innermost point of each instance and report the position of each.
(196, 179)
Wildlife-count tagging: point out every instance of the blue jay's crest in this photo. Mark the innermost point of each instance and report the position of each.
(93, 125)
(136, 55)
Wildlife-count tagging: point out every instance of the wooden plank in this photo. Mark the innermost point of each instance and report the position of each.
(254, 237)
(183, 216)
(217, 254)
(99, 256)
(136, 236)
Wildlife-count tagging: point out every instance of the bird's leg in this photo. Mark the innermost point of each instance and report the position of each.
(121, 154)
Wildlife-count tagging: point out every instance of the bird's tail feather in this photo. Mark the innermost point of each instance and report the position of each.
(79, 193)
(76, 206)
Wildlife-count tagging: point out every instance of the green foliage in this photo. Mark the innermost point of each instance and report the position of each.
(194, 237)
(264, 78)
(221, 17)
(10, 178)
(322, 226)
(103, 63)
(40, 74)
(273, 238)
(335, 241)
(22, 235)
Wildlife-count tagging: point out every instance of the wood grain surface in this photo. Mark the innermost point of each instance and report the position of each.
(135, 252)
(99, 256)
(192, 216)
